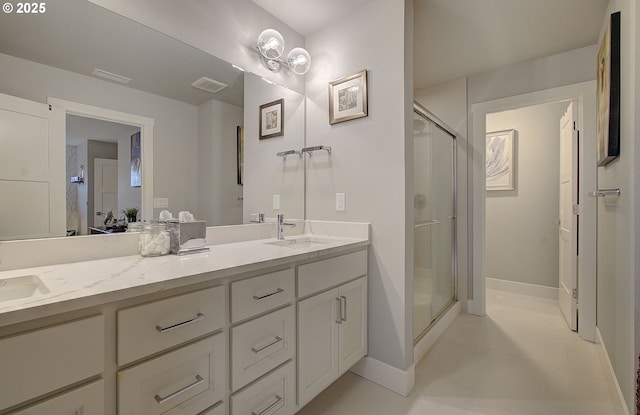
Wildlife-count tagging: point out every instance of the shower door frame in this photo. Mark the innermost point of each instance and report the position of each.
(423, 112)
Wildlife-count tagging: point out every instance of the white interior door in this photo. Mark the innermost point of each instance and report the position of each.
(568, 259)
(105, 189)
(32, 169)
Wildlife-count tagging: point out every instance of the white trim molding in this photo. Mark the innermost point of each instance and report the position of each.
(522, 288)
(146, 146)
(396, 380)
(612, 380)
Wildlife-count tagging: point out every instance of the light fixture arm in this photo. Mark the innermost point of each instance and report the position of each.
(270, 45)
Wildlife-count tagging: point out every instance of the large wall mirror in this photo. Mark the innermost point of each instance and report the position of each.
(203, 152)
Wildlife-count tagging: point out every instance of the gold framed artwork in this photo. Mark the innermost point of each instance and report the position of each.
(272, 119)
(348, 98)
(608, 93)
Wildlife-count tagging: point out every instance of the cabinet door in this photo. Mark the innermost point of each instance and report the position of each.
(353, 326)
(317, 344)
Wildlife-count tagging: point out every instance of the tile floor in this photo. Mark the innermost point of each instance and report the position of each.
(521, 359)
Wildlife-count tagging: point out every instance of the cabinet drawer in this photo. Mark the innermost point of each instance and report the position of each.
(187, 380)
(262, 293)
(44, 360)
(152, 327)
(272, 395)
(261, 345)
(327, 273)
(87, 399)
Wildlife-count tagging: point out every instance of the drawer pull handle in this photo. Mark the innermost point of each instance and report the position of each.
(162, 400)
(265, 410)
(198, 317)
(277, 291)
(339, 313)
(277, 340)
(343, 308)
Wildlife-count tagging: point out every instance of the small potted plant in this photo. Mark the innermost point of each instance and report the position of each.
(131, 214)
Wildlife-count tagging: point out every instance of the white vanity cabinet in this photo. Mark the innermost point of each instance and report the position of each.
(38, 362)
(332, 325)
(248, 341)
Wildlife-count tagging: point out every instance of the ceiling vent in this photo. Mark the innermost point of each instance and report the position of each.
(111, 76)
(208, 85)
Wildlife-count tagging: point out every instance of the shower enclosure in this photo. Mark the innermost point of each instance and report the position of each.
(434, 220)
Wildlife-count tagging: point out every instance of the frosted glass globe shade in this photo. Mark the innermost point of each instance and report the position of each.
(271, 44)
(299, 60)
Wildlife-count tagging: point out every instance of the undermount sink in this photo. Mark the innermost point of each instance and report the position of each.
(308, 242)
(21, 287)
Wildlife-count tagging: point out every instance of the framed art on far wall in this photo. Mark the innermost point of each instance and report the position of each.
(500, 160)
(272, 119)
(240, 152)
(136, 161)
(608, 93)
(348, 98)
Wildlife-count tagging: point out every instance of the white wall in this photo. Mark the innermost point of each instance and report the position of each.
(448, 102)
(368, 160)
(128, 197)
(265, 173)
(227, 29)
(175, 130)
(529, 213)
(218, 188)
(617, 220)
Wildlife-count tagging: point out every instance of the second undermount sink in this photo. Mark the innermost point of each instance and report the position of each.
(306, 242)
(21, 287)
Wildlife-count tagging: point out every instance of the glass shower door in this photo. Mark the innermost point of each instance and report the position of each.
(434, 222)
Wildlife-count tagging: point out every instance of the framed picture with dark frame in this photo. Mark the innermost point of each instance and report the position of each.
(240, 152)
(608, 93)
(272, 119)
(348, 98)
(136, 161)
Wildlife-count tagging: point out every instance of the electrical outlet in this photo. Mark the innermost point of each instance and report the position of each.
(341, 202)
(276, 202)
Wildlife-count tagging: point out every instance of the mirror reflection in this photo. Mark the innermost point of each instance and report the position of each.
(195, 147)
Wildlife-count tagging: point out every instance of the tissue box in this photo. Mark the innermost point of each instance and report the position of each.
(187, 237)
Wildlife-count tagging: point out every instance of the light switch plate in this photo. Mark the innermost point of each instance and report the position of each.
(160, 202)
(341, 201)
(276, 202)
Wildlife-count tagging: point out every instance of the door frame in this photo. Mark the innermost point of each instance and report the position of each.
(146, 141)
(584, 94)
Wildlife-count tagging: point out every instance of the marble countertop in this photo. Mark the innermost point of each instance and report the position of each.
(78, 285)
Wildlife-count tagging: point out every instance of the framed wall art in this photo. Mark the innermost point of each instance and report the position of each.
(348, 98)
(272, 119)
(136, 161)
(608, 93)
(500, 160)
(240, 152)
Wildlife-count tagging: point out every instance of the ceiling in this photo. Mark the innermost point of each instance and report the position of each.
(457, 38)
(81, 129)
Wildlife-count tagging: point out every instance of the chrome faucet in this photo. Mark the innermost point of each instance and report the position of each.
(282, 224)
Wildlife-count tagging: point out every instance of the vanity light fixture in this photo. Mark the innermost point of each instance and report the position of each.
(271, 48)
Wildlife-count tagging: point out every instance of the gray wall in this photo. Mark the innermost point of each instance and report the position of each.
(618, 220)
(218, 188)
(368, 161)
(521, 229)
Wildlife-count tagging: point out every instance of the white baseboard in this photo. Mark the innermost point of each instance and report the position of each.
(387, 376)
(424, 344)
(616, 392)
(532, 290)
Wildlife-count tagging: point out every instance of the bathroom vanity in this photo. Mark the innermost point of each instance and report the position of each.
(254, 327)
